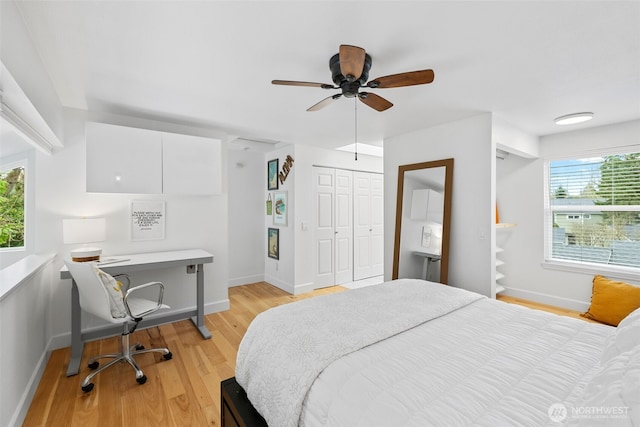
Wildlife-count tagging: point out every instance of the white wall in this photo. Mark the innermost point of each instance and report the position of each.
(23, 62)
(469, 143)
(294, 272)
(281, 272)
(247, 172)
(24, 337)
(191, 222)
(26, 313)
(520, 195)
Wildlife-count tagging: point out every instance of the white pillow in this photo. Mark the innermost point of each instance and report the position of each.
(116, 297)
(613, 394)
(626, 337)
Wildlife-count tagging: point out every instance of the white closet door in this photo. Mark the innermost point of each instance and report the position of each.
(362, 229)
(377, 224)
(343, 227)
(368, 225)
(324, 193)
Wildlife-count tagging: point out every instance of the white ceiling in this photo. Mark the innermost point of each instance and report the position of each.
(210, 63)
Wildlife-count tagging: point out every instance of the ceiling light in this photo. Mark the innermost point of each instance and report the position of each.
(572, 119)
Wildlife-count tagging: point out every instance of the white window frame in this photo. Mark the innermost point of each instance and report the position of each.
(623, 272)
(26, 160)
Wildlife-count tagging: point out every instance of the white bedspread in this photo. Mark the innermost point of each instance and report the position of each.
(287, 347)
(489, 364)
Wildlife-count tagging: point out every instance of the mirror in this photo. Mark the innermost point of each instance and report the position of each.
(423, 219)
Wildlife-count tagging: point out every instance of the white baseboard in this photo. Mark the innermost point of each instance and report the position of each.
(287, 287)
(239, 281)
(217, 306)
(567, 303)
(27, 396)
(301, 289)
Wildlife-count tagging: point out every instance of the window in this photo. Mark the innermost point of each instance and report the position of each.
(12, 204)
(593, 211)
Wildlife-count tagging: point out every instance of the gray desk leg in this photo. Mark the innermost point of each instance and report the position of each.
(425, 268)
(76, 332)
(198, 320)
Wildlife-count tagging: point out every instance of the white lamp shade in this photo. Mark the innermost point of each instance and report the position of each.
(83, 230)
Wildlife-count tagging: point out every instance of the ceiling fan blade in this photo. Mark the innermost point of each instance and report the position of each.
(308, 84)
(351, 61)
(374, 101)
(324, 102)
(410, 78)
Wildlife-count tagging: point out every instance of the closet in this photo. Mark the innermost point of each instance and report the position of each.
(348, 225)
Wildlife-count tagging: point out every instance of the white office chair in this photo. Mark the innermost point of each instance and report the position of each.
(100, 295)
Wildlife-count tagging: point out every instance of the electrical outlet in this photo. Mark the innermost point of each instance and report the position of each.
(276, 266)
(191, 269)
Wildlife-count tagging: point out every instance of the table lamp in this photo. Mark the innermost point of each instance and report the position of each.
(84, 230)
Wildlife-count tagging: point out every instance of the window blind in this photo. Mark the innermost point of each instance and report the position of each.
(593, 210)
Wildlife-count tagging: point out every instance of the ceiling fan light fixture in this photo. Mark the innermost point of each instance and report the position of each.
(572, 119)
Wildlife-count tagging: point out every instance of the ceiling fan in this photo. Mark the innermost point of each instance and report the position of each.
(350, 71)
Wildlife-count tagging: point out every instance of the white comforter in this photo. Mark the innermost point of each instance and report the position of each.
(489, 364)
(414, 353)
(285, 348)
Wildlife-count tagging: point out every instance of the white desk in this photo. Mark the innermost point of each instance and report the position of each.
(193, 259)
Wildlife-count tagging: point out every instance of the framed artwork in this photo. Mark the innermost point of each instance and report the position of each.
(272, 174)
(273, 243)
(147, 220)
(280, 208)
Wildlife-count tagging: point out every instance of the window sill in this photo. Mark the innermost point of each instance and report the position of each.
(19, 272)
(621, 273)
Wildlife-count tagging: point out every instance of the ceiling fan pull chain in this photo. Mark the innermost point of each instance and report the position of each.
(355, 103)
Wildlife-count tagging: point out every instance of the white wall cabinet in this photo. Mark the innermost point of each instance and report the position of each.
(123, 160)
(129, 160)
(427, 204)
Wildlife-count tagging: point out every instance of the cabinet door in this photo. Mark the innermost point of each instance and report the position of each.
(123, 160)
(191, 164)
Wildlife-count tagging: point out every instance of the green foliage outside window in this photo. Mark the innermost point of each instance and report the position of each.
(12, 208)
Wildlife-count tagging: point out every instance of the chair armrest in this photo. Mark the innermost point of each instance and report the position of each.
(135, 289)
(124, 279)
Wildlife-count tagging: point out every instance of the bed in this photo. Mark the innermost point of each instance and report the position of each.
(416, 353)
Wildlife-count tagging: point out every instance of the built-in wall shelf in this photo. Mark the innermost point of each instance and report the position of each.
(499, 250)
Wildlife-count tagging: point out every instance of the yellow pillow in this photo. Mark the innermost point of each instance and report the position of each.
(612, 301)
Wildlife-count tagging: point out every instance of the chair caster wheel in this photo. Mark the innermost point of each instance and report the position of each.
(142, 379)
(93, 365)
(167, 356)
(139, 347)
(87, 388)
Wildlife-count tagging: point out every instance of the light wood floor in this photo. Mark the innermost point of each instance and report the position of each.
(182, 391)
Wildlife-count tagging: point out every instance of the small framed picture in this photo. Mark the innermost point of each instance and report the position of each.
(147, 220)
(273, 243)
(272, 174)
(280, 208)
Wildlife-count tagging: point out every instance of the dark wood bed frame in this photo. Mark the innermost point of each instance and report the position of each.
(235, 408)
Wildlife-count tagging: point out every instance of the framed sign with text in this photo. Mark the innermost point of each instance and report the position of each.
(147, 220)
